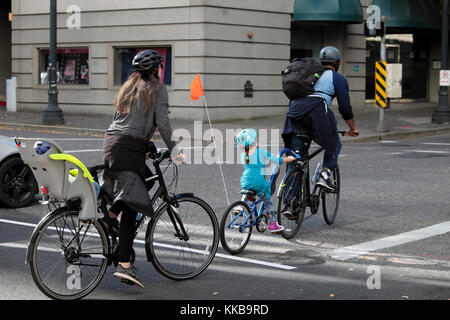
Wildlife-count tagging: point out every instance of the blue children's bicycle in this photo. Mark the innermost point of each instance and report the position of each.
(241, 216)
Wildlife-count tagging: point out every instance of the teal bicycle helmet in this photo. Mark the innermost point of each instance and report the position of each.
(246, 137)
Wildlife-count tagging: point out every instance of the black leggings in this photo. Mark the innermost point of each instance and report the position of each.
(126, 230)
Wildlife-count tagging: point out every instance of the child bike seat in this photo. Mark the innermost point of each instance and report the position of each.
(63, 176)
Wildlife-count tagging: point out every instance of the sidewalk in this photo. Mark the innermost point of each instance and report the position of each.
(402, 119)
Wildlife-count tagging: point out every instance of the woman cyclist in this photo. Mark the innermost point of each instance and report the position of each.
(141, 106)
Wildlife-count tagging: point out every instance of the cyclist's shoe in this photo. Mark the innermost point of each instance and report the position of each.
(274, 227)
(128, 275)
(325, 179)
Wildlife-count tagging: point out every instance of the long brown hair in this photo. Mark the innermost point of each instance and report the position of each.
(138, 88)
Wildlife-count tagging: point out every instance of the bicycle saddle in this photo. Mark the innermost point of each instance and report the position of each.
(248, 192)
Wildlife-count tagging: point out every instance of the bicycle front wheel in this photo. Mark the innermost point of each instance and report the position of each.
(233, 236)
(330, 198)
(291, 207)
(173, 255)
(67, 257)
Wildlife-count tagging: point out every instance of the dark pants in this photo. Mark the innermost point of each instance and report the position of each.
(126, 153)
(126, 230)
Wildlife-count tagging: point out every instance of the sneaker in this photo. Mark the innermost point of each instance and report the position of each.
(274, 227)
(325, 179)
(128, 275)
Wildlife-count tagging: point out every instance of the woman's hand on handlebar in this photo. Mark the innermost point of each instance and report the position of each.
(179, 159)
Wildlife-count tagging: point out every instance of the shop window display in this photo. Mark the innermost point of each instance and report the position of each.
(72, 66)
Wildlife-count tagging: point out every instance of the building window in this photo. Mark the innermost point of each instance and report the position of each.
(72, 65)
(306, 41)
(124, 56)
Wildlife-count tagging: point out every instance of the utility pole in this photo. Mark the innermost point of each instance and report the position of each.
(382, 126)
(52, 114)
(442, 112)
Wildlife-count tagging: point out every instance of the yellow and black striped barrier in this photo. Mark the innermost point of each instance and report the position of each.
(380, 84)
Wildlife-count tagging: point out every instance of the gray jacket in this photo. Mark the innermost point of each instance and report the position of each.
(142, 125)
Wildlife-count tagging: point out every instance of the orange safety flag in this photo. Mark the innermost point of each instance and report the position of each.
(196, 88)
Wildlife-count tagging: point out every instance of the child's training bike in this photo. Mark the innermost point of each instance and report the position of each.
(241, 216)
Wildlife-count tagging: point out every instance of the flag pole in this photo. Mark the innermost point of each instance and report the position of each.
(215, 147)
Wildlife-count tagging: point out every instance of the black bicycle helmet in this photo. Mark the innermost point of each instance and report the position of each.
(146, 61)
(330, 56)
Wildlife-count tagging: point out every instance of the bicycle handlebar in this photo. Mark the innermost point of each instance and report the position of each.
(160, 156)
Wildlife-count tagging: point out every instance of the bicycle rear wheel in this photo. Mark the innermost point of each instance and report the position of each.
(330, 198)
(233, 239)
(67, 258)
(172, 255)
(291, 208)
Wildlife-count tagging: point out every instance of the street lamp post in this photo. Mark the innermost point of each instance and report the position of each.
(52, 114)
(442, 112)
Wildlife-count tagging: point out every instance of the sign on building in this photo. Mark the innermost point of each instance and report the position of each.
(394, 73)
(445, 78)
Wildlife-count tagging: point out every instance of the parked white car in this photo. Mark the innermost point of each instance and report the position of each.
(18, 185)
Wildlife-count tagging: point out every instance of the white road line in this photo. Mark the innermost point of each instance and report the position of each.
(437, 143)
(367, 247)
(225, 256)
(428, 151)
(388, 141)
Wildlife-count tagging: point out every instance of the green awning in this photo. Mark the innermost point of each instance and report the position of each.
(415, 14)
(341, 11)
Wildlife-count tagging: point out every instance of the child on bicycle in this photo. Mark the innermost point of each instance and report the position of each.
(254, 160)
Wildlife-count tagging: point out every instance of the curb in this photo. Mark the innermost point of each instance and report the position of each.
(100, 132)
(400, 135)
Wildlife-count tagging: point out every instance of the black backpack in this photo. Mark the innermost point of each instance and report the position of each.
(299, 77)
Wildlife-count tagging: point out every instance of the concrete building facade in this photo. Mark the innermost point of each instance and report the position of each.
(230, 43)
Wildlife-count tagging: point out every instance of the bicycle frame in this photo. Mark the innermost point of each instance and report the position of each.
(254, 211)
(162, 193)
(304, 166)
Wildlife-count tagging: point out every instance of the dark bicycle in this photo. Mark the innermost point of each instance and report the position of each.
(295, 192)
(71, 248)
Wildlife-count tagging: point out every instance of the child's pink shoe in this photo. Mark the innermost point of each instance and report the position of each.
(274, 227)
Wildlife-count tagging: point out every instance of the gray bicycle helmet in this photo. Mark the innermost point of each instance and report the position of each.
(146, 61)
(330, 56)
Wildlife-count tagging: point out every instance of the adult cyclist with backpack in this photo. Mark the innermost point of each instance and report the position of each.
(311, 88)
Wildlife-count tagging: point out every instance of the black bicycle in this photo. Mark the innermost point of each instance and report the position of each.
(68, 257)
(295, 192)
